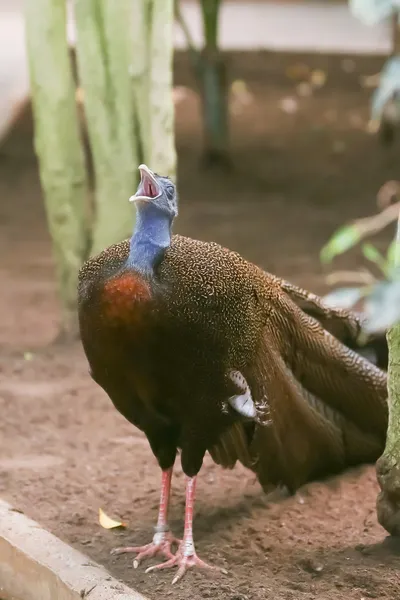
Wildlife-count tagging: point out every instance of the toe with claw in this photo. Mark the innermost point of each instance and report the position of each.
(184, 560)
(161, 545)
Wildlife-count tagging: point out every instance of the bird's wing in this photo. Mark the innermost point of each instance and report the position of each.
(320, 406)
(326, 368)
(300, 436)
(344, 325)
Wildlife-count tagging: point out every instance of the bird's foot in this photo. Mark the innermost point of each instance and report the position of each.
(161, 544)
(184, 559)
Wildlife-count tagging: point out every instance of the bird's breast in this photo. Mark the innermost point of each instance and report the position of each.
(126, 298)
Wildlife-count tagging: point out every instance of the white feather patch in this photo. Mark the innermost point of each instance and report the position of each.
(242, 403)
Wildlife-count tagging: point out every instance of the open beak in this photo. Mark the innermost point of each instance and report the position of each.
(148, 189)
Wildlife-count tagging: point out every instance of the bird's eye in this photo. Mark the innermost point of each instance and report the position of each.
(169, 190)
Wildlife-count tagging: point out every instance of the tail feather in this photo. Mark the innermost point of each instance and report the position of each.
(233, 446)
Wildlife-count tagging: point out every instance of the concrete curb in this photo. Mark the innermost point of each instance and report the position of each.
(35, 565)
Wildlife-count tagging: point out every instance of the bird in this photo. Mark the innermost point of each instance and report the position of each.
(204, 351)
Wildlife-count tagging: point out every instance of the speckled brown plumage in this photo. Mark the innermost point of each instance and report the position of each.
(163, 358)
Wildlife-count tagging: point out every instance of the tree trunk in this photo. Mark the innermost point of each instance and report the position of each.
(388, 466)
(104, 55)
(211, 73)
(212, 77)
(161, 154)
(140, 68)
(58, 145)
(152, 74)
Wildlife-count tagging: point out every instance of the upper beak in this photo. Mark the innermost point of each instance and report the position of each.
(148, 188)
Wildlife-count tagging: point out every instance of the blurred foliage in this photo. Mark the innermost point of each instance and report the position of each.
(385, 106)
(385, 100)
(373, 11)
(378, 298)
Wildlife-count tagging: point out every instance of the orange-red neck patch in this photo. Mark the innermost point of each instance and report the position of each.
(122, 294)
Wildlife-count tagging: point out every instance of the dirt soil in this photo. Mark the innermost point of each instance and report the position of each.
(65, 451)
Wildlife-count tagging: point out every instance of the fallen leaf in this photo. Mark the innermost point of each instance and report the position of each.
(107, 523)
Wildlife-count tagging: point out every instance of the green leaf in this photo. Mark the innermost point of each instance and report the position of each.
(373, 255)
(346, 237)
(343, 297)
(392, 258)
(391, 253)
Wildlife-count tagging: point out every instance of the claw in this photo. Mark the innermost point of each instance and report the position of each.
(184, 562)
(161, 544)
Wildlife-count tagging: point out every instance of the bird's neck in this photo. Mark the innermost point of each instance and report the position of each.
(151, 237)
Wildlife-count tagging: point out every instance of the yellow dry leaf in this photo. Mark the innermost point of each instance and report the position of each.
(107, 523)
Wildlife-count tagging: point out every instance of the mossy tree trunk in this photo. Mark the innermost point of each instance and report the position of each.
(104, 54)
(124, 56)
(388, 466)
(125, 67)
(58, 146)
(160, 152)
(152, 76)
(212, 76)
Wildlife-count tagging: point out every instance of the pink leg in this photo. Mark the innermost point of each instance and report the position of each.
(186, 556)
(163, 538)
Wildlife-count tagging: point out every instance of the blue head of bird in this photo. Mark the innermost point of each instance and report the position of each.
(156, 190)
(156, 207)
